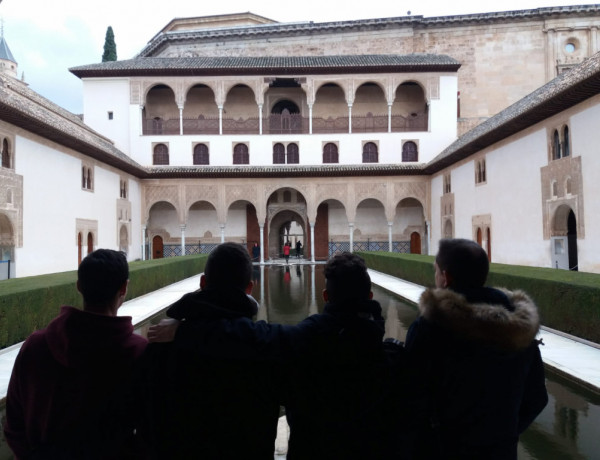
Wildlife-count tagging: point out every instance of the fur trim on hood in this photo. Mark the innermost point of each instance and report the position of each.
(488, 324)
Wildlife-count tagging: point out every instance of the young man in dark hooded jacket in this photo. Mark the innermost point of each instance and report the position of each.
(70, 395)
(338, 384)
(198, 405)
(477, 348)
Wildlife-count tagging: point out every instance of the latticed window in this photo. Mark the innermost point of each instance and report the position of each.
(410, 152)
(480, 174)
(5, 154)
(566, 150)
(370, 153)
(555, 146)
(240, 155)
(161, 155)
(330, 153)
(278, 154)
(293, 154)
(200, 156)
(447, 183)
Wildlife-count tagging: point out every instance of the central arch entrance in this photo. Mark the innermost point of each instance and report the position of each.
(287, 221)
(564, 239)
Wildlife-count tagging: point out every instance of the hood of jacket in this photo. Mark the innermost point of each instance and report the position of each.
(213, 304)
(79, 338)
(487, 320)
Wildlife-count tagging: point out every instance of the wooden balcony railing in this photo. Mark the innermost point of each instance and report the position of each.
(288, 124)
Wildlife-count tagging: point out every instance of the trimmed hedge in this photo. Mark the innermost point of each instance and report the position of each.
(568, 301)
(28, 304)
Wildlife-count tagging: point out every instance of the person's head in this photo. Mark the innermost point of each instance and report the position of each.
(346, 279)
(228, 267)
(460, 264)
(102, 280)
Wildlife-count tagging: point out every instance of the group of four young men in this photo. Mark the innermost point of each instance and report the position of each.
(465, 385)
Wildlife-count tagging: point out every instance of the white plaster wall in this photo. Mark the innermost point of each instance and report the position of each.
(164, 217)
(135, 238)
(101, 96)
(201, 221)
(435, 228)
(236, 222)
(52, 201)
(370, 219)
(338, 220)
(407, 216)
(442, 120)
(585, 139)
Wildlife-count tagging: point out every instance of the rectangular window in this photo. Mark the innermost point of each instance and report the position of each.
(110, 115)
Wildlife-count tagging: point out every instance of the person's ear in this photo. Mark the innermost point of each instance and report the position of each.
(249, 287)
(78, 288)
(325, 295)
(370, 295)
(123, 289)
(202, 282)
(447, 279)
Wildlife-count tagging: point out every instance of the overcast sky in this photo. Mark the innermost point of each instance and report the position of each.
(47, 37)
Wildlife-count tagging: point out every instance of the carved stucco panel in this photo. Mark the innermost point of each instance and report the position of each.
(153, 194)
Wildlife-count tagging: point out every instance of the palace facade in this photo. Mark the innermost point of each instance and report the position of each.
(384, 134)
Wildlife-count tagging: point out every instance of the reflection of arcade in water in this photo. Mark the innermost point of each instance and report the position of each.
(566, 429)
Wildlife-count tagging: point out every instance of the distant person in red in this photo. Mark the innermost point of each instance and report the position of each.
(70, 393)
(286, 251)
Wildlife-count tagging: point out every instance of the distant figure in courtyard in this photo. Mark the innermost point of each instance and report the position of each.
(477, 348)
(201, 406)
(255, 252)
(286, 251)
(337, 379)
(298, 249)
(70, 393)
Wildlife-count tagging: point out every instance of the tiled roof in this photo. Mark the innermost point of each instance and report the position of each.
(566, 90)
(5, 51)
(246, 171)
(271, 64)
(160, 41)
(25, 108)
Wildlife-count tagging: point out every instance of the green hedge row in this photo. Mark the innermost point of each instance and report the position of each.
(568, 301)
(28, 304)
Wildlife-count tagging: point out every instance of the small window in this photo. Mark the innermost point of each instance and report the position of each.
(480, 173)
(293, 154)
(370, 154)
(5, 154)
(278, 154)
(568, 187)
(570, 47)
(565, 146)
(330, 153)
(447, 183)
(410, 152)
(555, 145)
(87, 178)
(123, 192)
(241, 155)
(110, 115)
(161, 155)
(200, 156)
(554, 189)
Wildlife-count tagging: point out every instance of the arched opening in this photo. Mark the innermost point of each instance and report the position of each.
(241, 156)
(157, 247)
(200, 156)
(415, 243)
(202, 228)
(409, 110)
(163, 220)
(489, 243)
(479, 236)
(293, 154)
(123, 239)
(160, 155)
(370, 226)
(289, 221)
(564, 239)
(278, 154)
(160, 114)
(555, 145)
(410, 152)
(200, 113)
(90, 243)
(409, 218)
(370, 154)
(566, 147)
(330, 110)
(240, 112)
(330, 153)
(369, 109)
(7, 246)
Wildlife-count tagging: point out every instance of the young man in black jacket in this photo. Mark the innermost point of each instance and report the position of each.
(337, 380)
(476, 347)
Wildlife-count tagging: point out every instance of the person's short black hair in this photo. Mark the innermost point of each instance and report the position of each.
(101, 274)
(228, 266)
(346, 278)
(465, 261)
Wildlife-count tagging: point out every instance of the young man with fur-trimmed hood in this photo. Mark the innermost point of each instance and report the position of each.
(476, 346)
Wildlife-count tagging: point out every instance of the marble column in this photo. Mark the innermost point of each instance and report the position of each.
(351, 227)
(312, 242)
(390, 225)
(183, 240)
(143, 242)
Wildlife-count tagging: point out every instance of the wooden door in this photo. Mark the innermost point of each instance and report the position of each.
(157, 247)
(415, 243)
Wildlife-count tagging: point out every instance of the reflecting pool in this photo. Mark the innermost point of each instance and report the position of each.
(568, 428)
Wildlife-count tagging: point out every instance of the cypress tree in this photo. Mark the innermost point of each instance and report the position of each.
(110, 47)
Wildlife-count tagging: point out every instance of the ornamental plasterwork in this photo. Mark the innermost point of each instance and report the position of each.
(135, 93)
(417, 190)
(331, 192)
(240, 192)
(154, 194)
(274, 209)
(364, 191)
(11, 204)
(194, 193)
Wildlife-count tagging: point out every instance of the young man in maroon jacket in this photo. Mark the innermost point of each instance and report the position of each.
(70, 393)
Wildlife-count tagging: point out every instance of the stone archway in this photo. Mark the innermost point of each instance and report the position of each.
(286, 225)
(564, 232)
(7, 246)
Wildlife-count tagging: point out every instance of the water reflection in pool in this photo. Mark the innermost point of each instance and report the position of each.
(566, 429)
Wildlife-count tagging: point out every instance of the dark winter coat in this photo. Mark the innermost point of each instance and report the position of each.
(484, 371)
(199, 405)
(70, 393)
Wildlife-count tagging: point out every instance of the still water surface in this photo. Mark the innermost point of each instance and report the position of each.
(569, 426)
